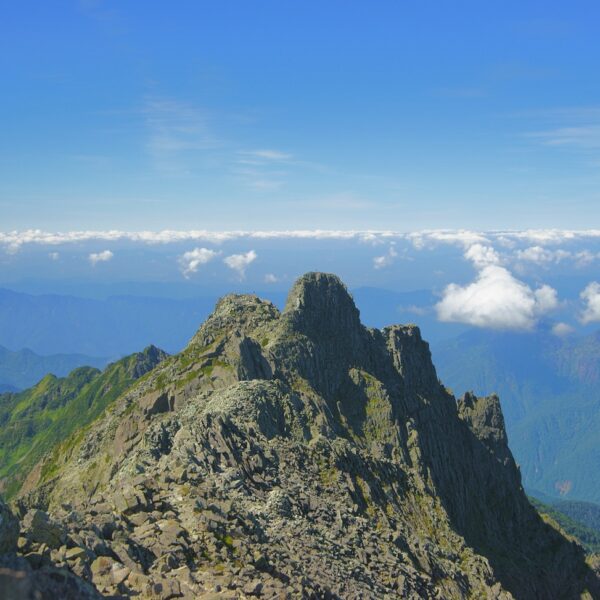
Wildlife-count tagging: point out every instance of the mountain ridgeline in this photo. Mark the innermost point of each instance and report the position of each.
(24, 368)
(293, 454)
(37, 420)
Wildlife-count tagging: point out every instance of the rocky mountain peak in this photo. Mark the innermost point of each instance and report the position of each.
(297, 454)
(320, 304)
(235, 313)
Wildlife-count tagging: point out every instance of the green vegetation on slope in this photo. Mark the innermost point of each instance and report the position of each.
(589, 538)
(32, 422)
(586, 513)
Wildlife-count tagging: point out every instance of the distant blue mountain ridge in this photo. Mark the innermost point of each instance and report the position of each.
(119, 325)
(24, 368)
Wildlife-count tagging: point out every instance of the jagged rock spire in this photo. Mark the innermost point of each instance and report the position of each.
(320, 304)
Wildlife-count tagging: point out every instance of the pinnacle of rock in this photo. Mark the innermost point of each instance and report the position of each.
(320, 304)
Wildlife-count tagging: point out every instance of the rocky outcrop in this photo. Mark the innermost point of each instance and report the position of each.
(31, 574)
(298, 454)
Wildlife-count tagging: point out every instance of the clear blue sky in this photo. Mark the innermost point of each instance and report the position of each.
(274, 114)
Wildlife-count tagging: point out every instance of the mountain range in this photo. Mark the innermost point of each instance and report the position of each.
(117, 325)
(112, 327)
(24, 368)
(283, 454)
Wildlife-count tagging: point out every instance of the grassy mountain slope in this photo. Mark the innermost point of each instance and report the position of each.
(549, 392)
(35, 420)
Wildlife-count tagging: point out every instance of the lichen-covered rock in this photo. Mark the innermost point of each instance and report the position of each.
(300, 454)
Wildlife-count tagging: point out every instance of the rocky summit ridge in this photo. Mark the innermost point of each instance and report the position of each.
(293, 454)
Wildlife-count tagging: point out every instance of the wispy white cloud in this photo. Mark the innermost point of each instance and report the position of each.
(414, 309)
(562, 329)
(495, 299)
(98, 257)
(379, 262)
(259, 168)
(271, 278)
(174, 129)
(53, 255)
(240, 262)
(192, 260)
(584, 136)
(267, 155)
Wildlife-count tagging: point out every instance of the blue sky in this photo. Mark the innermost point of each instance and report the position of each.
(198, 147)
(279, 115)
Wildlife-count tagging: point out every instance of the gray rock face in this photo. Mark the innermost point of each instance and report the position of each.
(484, 418)
(9, 529)
(300, 454)
(42, 530)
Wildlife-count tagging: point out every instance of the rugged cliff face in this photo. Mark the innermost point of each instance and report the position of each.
(298, 454)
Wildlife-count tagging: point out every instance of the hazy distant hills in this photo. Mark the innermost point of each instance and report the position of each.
(24, 368)
(113, 327)
(549, 392)
(119, 325)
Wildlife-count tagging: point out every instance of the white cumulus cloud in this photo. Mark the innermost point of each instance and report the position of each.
(540, 255)
(495, 299)
(191, 260)
(544, 256)
(97, 257)
(591, 298)
(239, 262)
(482, 256)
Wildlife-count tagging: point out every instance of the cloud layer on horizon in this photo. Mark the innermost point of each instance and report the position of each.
(507, 291)
(13, 240)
